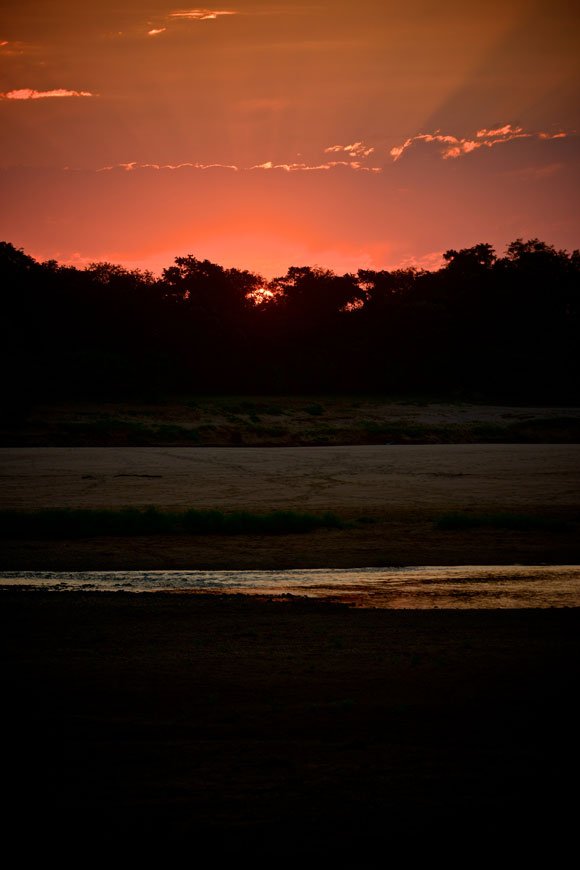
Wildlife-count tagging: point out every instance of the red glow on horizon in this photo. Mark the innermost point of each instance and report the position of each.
(273, 134)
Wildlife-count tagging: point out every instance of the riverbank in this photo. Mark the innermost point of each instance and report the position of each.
(390, 500)
(282, 421)
(409, 539)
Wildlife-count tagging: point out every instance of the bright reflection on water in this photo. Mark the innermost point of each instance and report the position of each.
(464, 586)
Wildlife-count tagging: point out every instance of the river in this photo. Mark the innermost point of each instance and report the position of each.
(416, 588)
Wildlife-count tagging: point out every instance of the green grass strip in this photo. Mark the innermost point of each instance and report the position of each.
(130, 522)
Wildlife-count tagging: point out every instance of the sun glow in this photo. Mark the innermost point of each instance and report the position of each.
(262, 134)
(262, 295)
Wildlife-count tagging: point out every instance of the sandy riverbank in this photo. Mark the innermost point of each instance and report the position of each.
(402, 488)
(387, 477)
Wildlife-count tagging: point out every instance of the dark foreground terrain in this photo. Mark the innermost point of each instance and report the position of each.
(276, 732)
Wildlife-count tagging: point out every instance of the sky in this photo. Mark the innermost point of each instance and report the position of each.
(343, 133)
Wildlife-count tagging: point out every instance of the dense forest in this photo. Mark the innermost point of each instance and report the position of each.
(483, 326)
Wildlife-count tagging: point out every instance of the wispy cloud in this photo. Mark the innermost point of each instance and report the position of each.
(506, 130)
(317, 167)
(201, 14)
(182, 15)
(292, 167)
(31, 94)
(357, 149)
(451, 147)
(354, 165)
(133, 165)
(167, 22)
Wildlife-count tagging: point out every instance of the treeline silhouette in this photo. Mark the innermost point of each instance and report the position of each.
(482, 326)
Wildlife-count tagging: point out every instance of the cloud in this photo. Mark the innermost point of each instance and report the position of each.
(133, 165)
(291, 167)
(201, 14)
(31, 94)
(357, 149)
(188, 15)
(318, 167)
(452, 147)
(213, 15)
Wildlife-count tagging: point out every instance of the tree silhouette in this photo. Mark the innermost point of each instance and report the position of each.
(482, 325)
(312, 295)
(209, 289)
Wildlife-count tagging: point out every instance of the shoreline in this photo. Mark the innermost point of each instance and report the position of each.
(384, 544)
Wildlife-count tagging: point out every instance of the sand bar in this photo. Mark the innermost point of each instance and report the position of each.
(426, 477)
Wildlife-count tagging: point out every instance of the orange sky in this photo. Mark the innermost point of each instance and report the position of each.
(268, 134)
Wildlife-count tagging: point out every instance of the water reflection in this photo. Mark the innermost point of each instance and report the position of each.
(463, 587)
